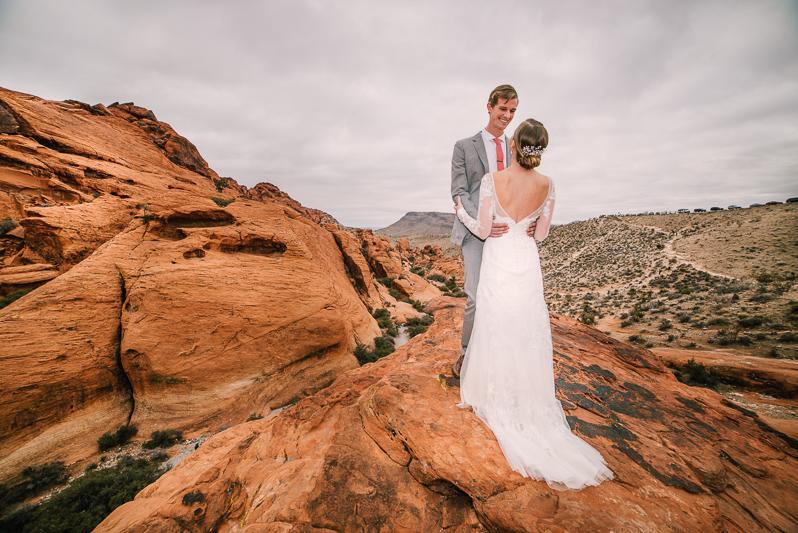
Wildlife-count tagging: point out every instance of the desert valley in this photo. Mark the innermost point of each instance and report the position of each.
(179, 352)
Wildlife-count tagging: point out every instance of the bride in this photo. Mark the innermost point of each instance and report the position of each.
(507, 375)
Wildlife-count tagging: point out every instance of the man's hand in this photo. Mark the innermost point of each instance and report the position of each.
(498, 229)
(531, 229)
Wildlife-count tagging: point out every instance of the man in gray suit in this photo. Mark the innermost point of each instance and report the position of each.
(473, 157)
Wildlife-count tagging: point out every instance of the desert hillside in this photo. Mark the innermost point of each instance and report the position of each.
(229, 359)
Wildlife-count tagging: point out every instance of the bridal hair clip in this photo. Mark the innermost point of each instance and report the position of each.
(532, 150)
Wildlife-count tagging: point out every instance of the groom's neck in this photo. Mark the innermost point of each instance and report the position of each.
(496, 132)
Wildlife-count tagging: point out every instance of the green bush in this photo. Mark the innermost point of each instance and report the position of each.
(122, 435)
(87, 500)
(417, 326)
(13, 297)
(418, 306)
(220, 183)
(163, 439)
(7, 225)
(436, 277)
(223, 202)
(788, 337)
(33, 481)
(750, 321)
(665, 324)
(693, 373)
(382, 347)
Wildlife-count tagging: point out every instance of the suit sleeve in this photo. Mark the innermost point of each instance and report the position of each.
(544, 221)
(481, 225)
(460, 182)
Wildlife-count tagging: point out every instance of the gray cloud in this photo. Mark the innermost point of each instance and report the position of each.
(354, 107)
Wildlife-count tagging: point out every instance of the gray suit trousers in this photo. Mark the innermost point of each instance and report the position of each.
(472, 262)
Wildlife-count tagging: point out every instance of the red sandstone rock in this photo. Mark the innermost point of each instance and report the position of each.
(386, 448)
(169, 311)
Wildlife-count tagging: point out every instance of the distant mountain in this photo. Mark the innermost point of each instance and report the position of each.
(420, 223)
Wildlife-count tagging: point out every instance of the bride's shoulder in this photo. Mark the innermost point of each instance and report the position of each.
(546, 180)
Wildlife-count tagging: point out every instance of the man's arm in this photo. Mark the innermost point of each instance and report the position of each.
(460, 182)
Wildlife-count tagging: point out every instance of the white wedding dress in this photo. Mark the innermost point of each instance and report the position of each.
(507, 375)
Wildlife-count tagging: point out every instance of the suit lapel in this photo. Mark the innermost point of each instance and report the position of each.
(479, 144)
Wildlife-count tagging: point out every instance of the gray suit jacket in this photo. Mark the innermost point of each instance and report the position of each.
(469, 166)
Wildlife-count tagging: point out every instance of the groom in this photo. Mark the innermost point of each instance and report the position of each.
(473, 157)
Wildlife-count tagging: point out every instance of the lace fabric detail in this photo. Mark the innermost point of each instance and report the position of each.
(489, 208)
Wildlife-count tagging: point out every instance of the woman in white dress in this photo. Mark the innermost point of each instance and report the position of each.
(507, 376)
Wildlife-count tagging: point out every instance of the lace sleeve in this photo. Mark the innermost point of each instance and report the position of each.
(482, 224)
(544, 221)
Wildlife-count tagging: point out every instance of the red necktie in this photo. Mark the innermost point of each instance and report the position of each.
(499, 154)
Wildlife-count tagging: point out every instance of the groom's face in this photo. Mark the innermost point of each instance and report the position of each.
(502, 113)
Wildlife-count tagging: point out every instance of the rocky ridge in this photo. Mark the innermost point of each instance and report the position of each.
(158, 293)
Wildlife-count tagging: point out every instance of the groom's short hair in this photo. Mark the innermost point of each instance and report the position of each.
(505, 92)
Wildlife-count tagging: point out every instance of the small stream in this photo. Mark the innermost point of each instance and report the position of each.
(402, 338)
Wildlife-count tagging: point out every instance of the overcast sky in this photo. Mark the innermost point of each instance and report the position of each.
(354, 107)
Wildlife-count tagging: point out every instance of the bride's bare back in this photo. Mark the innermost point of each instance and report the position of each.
(519, 194)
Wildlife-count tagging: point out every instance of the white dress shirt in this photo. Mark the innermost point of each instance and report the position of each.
(490, 148)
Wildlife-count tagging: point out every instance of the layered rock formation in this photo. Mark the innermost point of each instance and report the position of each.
(167, 297)
(386, 448)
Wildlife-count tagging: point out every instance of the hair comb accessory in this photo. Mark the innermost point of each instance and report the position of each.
(532, 150)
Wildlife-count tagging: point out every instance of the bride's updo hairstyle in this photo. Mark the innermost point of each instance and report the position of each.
(531, 139)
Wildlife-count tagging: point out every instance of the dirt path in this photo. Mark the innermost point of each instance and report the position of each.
(670, 253)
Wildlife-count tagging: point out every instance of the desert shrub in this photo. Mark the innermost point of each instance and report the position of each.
(383, 317)
(637, 339)
(384, 321)
(13, 297)
(163, 438)
(418, 270)
(750, 321)
(693, 373)
(254, 416)
(121, 436)
(436, 277)
(626, 323)
(588, 315)
(451, 284)
(393, 291)
(765, 277)
(665, 324)
(7, 225)
(33, 480)
(223, 202)
(220, 183)
(87, 500)
(788, 337)
(418, 306)
(417, 326)
(683, 318)
(388, 282)
(761, 297)
(382, 347)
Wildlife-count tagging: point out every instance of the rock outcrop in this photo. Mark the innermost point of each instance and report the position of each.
(168, 297)
(386, 448)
